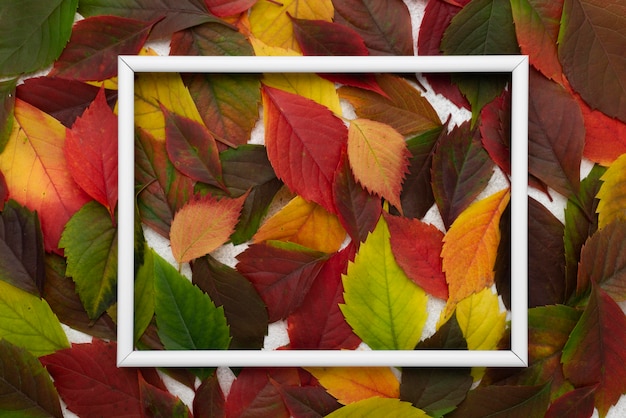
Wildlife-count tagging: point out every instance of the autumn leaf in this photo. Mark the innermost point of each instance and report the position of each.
(202, 225)
(300, 222)
(404, 108)
(481, 320)
(350, 385)
(319, 37)
(318, 323)
(157, 402)
(504, 401)
(223, 8)
(304, 142)
(612, 196)
(156, 90)
(36, 147)
(470, 247)
(91, 152)
(89, 382)
(35, 39)
(495, 130)
(243, 307)
(282, 273)
(556, 134)
(21, 244)
(378, 157)
(209, 400)
(382, 305)
(28, 322)
(590, 28)
(91, 54)
(7, 103)
(417, 248)
(460, 171)
(594, 352)
(537, 26)
(307, 400)
(186, 318)
(26, 387)
(577, 403)
(385, 26)
(387, 407)
(179, 15)
(270, 21)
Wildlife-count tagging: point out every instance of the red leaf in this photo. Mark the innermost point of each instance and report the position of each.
(556, 135)
(595, 352)
(282, 274)
(495, 130)
(63, 99)
(357, 209)
(91, 152)
(307, 401)
(577, 403)
(318, 37)
(89, 382)
(192, 149)
(304, 142)
(91, 54)
(253, 395)
(223, 8)
(417, 247)
(209, 401)
(157, 402)
(318, 323)
(384, 25)
(4, 191)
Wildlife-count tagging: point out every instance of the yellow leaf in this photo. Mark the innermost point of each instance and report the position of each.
(300, 222)
(203, 225)
(308, 85)
(167, 89)
(270, 21)
(379, 158)
(612, 193)
(351, 384)
(481, 320)
(378, 407)
(470, 247)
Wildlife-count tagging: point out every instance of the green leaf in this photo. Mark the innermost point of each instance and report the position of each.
(504, 402)
(595, 352)
(21, 248)
(378, 407)
(33, 33)
(90, 243)
(186, 318)
(28, 322)
(7, 103)
(26, 389)
(382, 305)
(591, 50)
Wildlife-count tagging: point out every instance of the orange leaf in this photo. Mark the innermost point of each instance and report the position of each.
(36, 171)
(203, 225)
(352, 384)
(470, 247)
(300, 222)
(378, 157)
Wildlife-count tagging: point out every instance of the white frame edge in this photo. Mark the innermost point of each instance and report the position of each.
(517, 356)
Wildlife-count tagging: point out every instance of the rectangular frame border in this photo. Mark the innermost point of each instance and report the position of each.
(517, 356)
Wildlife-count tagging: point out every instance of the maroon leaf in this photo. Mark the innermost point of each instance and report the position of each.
(495, 130)
(307, 401)
(192, 149)
(253, 395)
(4, 191)
(244, 309)
(61, 98)
(162, 189)
(504, 401)
(21, 248)
(318, 37)
(461, 170)
(357, 209)
(157, 402)
(417, 249)
(595, 352)
(556, 135)
(318, 323)
(91, 152)
(546, 258)
(384, 25)
(209, 401)
(91, 54)
(304, 142)
(90, 383)
(223, 8)
(577, 403)
(282, 274)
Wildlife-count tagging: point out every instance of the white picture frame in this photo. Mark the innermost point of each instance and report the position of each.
(517, 356)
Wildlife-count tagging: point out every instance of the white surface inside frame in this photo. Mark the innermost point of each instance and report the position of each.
(517, 65)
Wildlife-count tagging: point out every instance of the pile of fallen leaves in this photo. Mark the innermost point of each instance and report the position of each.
(348, 260)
